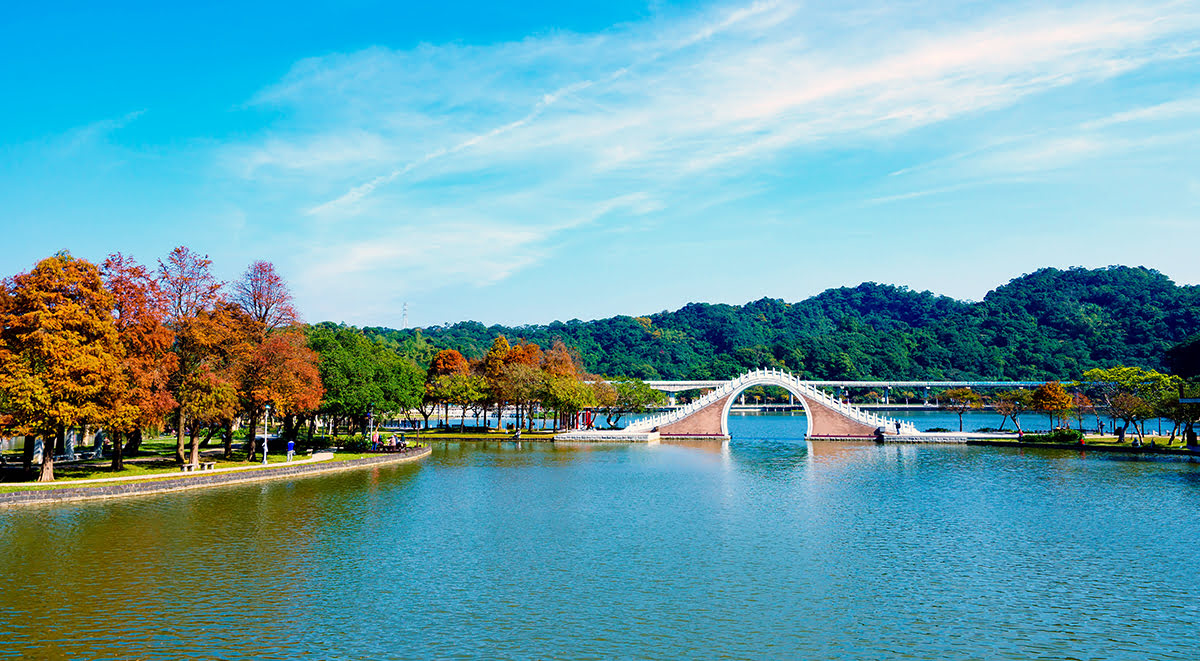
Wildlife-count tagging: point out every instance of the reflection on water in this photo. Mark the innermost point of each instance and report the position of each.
(766, 546)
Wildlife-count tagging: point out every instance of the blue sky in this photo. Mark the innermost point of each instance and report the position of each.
(514, 165)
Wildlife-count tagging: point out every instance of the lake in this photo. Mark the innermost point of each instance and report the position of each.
(763, 547)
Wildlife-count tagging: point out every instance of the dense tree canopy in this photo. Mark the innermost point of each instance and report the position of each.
(1051, 324)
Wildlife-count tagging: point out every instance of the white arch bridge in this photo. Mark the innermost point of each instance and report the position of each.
(708, 416)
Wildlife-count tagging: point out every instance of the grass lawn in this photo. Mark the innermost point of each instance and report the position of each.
(1111, 441)
(155, 458)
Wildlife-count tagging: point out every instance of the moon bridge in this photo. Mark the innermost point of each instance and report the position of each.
(708, 416)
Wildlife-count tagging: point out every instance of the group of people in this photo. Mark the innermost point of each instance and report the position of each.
(392, 444)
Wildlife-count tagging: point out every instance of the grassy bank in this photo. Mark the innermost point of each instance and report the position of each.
(155, 459)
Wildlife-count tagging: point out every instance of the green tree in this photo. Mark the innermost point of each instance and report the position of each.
(1131, 394)
(567, 396)
(347, 364)
(401, 383)
(630, 396)
(462, 390)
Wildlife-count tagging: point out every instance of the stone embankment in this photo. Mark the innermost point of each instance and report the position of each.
(64, 493)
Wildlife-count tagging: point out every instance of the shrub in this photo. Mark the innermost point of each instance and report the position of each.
(1056, 436)
(356, 443)
(937, 429)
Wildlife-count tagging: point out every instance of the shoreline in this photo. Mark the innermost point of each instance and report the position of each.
(1119, 449)
(187, 481)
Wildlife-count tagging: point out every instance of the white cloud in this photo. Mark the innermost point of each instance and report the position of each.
(515, 143)
(1158, 112)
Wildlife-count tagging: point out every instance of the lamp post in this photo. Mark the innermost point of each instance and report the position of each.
(371, 424)
(266, 430)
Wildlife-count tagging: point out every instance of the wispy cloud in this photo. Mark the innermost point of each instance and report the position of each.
(92, 134)
(412, 152)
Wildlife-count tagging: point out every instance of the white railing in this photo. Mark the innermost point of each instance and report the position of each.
(785, 380)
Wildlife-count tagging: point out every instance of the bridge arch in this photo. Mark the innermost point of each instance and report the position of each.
(766, 381)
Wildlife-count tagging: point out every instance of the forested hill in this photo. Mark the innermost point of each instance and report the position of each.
(1048, 324)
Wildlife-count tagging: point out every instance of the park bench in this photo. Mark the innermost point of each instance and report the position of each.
(187, 468)
(207, 465)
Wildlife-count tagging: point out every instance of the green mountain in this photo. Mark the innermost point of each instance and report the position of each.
(1048, 324)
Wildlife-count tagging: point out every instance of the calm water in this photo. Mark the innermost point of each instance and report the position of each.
(766, 547)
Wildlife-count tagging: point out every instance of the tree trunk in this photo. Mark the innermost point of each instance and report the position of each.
(212, 431)
(194, 456)
(133, 444)
(118, 458)
(252, 437)
(46, 474)
(179, 437)
(227, 437)
(27, 454)
(312, 427)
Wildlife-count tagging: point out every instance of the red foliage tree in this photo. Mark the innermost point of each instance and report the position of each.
(265, 296)
(279, 369)
(190, 290)
(139, 309)
(282, 372)
(218, 344)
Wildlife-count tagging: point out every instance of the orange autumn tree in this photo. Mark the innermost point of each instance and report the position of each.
(218, 344)
(139, 308)
(282, 371)
(447, 362)
(190, 290)
(521, 379)
(60, 354)
(1051, 398)
(491, 368)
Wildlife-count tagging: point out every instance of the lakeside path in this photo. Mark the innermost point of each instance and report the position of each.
(120, 487)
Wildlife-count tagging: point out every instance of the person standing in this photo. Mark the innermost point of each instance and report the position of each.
(291, 449)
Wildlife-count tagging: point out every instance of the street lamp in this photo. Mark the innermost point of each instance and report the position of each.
(266, 430)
